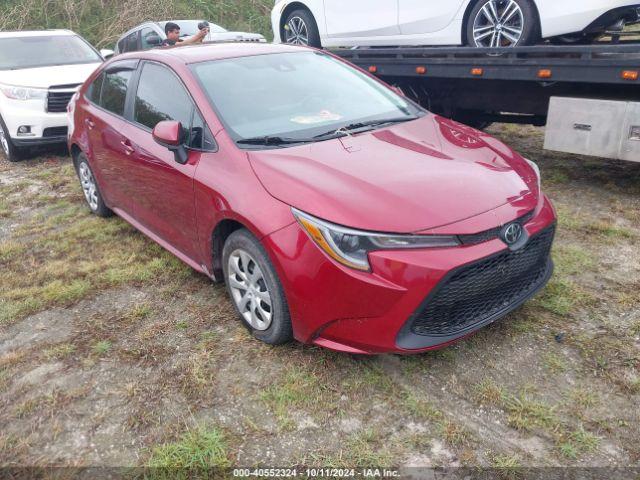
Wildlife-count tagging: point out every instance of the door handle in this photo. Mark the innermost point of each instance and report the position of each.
(128, 149)
(89, 123)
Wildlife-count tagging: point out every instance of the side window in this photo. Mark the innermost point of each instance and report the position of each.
(161, 96)
(200, 137)
(149, 38)
(130, 43)
(114, 90)
(95, 89)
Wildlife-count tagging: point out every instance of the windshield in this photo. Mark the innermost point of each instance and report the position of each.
(45, 51)
(189, 28)
(295, 95)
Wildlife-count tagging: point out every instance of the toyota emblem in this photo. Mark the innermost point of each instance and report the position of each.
(512, 233)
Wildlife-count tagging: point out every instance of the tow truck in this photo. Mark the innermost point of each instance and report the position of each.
(588, 96)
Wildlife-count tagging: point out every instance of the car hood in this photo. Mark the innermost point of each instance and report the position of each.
(411, 177)
(45, 77)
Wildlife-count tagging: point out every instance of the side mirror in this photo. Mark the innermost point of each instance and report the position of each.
(170, 135)
(153, 40)
(106, 53)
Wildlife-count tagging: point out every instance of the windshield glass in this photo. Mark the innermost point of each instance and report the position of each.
(44, 51)
(295, 95)
(189, 28)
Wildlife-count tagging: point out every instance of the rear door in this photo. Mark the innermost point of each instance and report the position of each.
(164, 188)
(361, 18)
(110, 149)
(426, 16)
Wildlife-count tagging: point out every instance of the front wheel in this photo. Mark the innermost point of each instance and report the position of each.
(502, 23)
(10, 151)
(254, 288)
(300, 28)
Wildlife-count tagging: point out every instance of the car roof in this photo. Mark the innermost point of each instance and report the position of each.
(212, 51)
(36, 33)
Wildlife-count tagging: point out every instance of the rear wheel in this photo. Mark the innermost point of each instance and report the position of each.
(502, 23)
(90, 187)
(9, 150)
(254, 288)
(300, 28)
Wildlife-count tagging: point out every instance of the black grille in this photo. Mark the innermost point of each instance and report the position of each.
(58, 101)
(54, 132)
(487, 235)
(477, 292)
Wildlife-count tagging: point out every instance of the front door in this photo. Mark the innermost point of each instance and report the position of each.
(361, 18)
(417, 17)
(164, 188)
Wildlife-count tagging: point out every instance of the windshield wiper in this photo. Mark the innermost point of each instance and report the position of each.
(271, 140)
(348, 129)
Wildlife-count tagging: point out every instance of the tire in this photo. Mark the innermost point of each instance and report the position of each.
(521, 14)
(90, 187)
(298, 22)
(241, 254)
(10, 151)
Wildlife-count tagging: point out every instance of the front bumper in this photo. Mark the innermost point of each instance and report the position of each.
(46, 128)
(373, 312)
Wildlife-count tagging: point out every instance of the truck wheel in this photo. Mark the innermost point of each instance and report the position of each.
(300, 28)
(255, 289)
(502, 23)
(10, 151)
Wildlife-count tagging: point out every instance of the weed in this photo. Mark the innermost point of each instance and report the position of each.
(554, 363)
(102, 347)
(200, 449)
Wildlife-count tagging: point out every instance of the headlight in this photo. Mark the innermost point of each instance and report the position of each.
(351, 247)
(537, 170)
(23, 93)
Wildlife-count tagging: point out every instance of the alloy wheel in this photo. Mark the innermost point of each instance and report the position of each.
(249, 290)
(4, 142)
(499, 23)
(296, 32)
(88, 185)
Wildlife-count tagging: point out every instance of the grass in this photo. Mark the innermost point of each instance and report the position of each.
(527, 414)
(554, 363)
(507, 466)
(198, 450)
(62, 255)
(101, 347)
(298, 389)
(363, 449)
(58, 352)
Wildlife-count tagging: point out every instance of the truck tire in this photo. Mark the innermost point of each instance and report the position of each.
(502, 23)
(300, 28)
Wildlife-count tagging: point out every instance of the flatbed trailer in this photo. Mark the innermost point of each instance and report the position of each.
(590, 94)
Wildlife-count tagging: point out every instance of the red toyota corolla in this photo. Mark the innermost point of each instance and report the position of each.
(336, 210)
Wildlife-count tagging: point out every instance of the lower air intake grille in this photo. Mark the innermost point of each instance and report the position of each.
(54, 132)
(476, 292)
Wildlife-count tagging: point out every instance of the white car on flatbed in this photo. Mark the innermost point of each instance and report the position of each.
(39, 73)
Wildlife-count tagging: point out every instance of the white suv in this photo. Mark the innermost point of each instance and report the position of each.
(39, 73)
